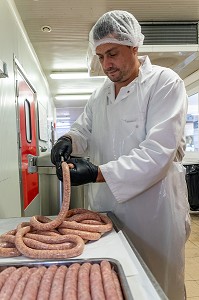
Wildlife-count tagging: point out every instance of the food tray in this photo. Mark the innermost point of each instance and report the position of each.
(116, 266)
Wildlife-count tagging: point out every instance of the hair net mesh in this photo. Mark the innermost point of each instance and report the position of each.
(118, 27)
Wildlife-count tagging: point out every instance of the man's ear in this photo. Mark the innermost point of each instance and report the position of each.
(135, 50)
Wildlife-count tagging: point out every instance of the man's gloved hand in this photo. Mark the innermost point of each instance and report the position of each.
(83, 171)
(63, 147)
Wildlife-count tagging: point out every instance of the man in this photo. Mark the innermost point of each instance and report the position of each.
(132, 130)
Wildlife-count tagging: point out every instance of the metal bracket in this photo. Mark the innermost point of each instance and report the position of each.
(32, 164)
(35, 162)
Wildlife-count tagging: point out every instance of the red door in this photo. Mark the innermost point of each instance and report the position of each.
(27, 143)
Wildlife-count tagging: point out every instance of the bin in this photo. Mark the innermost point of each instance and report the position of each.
(192, 179)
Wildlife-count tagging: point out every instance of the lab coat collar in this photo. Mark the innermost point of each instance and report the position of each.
(145, 68)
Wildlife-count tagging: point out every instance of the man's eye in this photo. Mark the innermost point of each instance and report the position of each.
(112, 54)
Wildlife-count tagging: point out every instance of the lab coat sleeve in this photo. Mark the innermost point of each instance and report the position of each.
(147, 164)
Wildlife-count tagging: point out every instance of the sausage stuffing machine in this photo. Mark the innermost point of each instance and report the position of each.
(50, 188)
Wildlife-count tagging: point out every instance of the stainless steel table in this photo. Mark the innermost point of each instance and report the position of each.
(113, 245)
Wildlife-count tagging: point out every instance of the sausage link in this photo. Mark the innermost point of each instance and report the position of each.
(9, 285)
(35, 220)
(8, 250)
(58, 239)
(43, 246)
(87, 215)
(6, 245)
(92, 236)
(10, 232)
(117, 285)
(83, 287)
(70, 284)
(108, 283)
(46, 283)
(5, 274)
(40, 238)
(32, 286)
(20, 286)
(86, 227)
(21, 225)
(56, 292)
(7, 238)
(76, 211)
(52, 232)
(93, 222)
(96, 284)
(35, 253)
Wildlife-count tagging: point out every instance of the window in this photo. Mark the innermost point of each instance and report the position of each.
(28, 121)
(191, 128)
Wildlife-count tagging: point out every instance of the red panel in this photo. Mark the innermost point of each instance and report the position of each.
(29, 181)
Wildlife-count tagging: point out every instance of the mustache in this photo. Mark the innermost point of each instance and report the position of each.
(111, 69)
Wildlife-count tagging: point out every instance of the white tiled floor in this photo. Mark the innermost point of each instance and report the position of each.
(192, 260)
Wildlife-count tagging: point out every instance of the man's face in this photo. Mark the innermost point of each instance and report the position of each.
(119, 62)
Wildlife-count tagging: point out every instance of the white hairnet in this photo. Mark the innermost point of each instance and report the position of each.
(118, 27)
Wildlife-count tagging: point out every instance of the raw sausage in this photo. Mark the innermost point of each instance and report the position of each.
(117, 285)
(96, 284)
(20, 286)
(62, 237)
(9, 285)
(34, 244)
(58, 284)
(91, 227)
(86, 235)
(83, 287)
(70, 284)
(5, 274)
(108, 283)
(35, 253)
(35, 220)
(46, 283)
(7, 245)
(32, 286)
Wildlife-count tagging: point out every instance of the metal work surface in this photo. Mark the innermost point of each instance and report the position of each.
(115, 265)
(113, 245)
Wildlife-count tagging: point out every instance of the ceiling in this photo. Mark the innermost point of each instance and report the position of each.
(65, 46)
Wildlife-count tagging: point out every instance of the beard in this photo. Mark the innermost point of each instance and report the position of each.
(115, 75)
(119, 75)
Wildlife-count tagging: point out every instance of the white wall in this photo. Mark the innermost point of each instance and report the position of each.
(14, 41)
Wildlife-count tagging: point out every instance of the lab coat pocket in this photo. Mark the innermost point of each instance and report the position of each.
(129, 134)
(129, 126)
(182, 199)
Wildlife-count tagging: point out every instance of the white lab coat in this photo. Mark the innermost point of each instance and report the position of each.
(137, 139)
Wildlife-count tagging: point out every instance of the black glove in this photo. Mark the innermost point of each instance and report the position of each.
(83, 171)
(63, 147)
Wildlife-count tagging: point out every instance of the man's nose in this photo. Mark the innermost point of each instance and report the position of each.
(107, 63)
